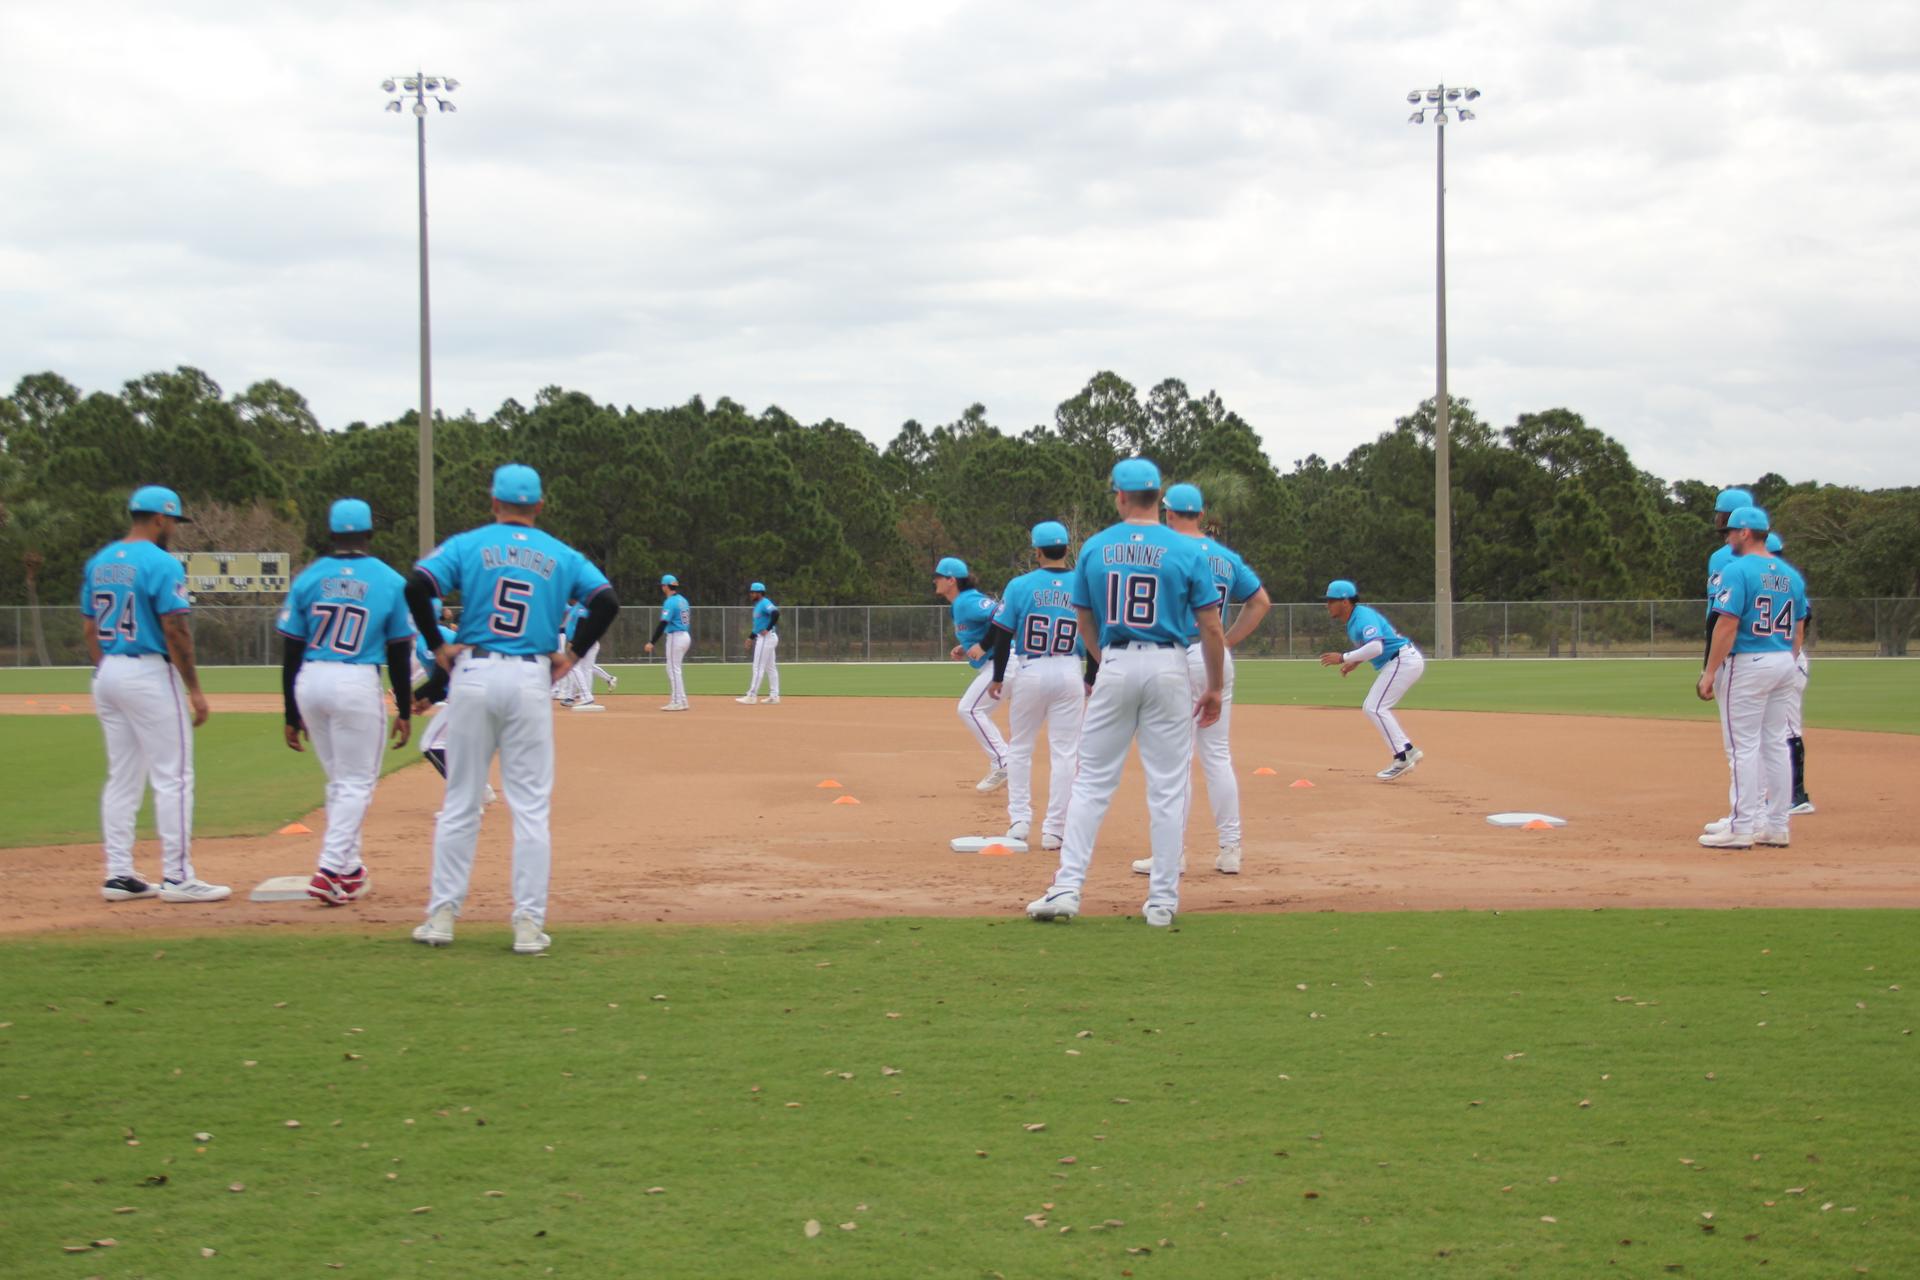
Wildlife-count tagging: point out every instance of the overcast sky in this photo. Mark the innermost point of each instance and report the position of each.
(1696, 224)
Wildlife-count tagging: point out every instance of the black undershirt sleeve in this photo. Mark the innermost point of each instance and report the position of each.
(602, 609)
(658, 631)
(292, 654)
(1093, 667)
(420, 593)
(773, 620)
(999, 643)
(400, 671)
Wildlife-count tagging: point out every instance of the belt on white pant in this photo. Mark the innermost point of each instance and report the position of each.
(134, 657)
(494, 655)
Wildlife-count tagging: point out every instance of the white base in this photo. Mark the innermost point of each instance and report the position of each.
(1522, 819)
(280, 889)
(974, 844)
(588, 706)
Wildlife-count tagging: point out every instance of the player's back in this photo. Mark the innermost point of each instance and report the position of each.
(1144, 583)
(515, 582)
(1766, 595)
(124, 589)
(1367, 624)
(346, 608)
(1037, 607)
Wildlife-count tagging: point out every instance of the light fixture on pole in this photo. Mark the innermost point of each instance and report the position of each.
(1440, 101)
(422, 89)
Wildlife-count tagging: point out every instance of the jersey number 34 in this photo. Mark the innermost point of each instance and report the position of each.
(1772, 621)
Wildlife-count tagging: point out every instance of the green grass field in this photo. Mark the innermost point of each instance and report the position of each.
(1642, 1093)
(1874, 694)
(54, 766)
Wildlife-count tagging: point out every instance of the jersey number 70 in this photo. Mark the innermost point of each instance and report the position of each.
(1133, 599)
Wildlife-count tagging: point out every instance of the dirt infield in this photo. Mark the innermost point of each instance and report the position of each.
(716, 816)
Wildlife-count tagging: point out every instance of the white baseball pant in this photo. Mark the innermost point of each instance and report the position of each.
(677, 643)
(142, 707)
(1047, 691)
(1754, 690)
(975, 709)
(1390, 684)
(1797, 694)
(1141, 693)
(435, 736)
(346, 717)
(580, 679)
(498, 704)
(766, 665)
(1215, 750)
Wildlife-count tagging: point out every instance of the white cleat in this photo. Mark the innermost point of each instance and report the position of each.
(748, 701)
(1718, 825)
(1058, 904)
(1051, 842)
(1400, 765)
(1159, 917)
(437, 931)
(1228, 861)
(1018, 831)
(195, 890)
(995, 779)
(493, 797)
(613, 682)
(1144, 866)
(1802, 809)
(1727, 840)
(528, 940)
(1772, 839)
(775, 700)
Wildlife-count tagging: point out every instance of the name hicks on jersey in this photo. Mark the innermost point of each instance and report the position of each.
(518, 558)
(1139, 553)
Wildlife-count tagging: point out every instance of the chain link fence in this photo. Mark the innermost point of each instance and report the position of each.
(244, 635)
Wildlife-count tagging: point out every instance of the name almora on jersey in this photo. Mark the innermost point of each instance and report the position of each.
(1037, 609)
(515, 582)
(347, 609)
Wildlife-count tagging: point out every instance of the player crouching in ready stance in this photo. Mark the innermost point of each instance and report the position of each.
(1395, 659)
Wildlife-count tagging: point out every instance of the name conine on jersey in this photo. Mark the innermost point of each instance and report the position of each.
(1134, 553)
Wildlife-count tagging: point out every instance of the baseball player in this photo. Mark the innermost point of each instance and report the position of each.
(1142, 589)
(973, 612)
(1238, 584)
(433, 742)
(1036, 631)
(579, 685)
(346, 613)
(1725, 504)
(1395, 659)
(515, 581)
(673, 626)
(1751, 672)
(1796, 743)
(765, 639)
(146, 693)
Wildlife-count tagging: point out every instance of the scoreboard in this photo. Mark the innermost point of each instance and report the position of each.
(236, 572)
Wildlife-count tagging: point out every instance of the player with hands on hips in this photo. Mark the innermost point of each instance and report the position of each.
(764, 637)
(345, 615)
(1141, 589)
(972, 612)
(1186, 509)
(1397, 663)
(515, 581)
(673, 627)
(1757, 633)
(1037, 633)
(146, 694)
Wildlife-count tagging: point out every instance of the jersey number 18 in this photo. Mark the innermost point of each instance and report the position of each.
(1133, 600)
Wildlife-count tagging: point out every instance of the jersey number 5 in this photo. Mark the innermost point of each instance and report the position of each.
(1133, 600)
(510, 597)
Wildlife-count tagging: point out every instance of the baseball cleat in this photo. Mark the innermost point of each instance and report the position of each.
(995, 779)
(1228, 861)
(1718, 825)
(1058, 904)
(775, 700)
(437, 931)
(1772, 839)
(333, 890)
(127, 888)
(1144, 866)
(1019, 831)
(492, 796)
(1401, 764)
(1801, 808)
(673, 706)
(613, 682)
(1051, 842)
(1158, 917)
(749, 700)
(194, 890)
(1727, 840)
(527, 938)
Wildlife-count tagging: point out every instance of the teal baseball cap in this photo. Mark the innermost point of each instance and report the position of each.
(1749, 517)
(156, 500)
(1731, 500)
(350, 515)
(668, 580)
(1341, 589)
(1135, 475)
(761, 587)
(1050, 533)
(516, 483)
(950, 567)
(1185, 499)
(1774, 544)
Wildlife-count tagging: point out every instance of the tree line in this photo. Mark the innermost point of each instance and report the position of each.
(1547, 507)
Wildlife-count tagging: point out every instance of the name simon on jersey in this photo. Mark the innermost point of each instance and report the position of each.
(343, 589)
(1141, 553)
(517, 558)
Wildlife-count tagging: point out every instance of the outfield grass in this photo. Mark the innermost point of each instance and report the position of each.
(1634, 1093)
(54, 766)
(1873, 694)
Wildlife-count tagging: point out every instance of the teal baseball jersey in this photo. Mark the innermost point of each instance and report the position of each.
(423, 651)
(763, 611)
(1717, 566)
(1231, 575)
(674, 611)
(515, 582)
(972, 615)
(125, 590)
(1367, 624)
(347, 609)
(1768, 598)
(1037, 610)
(1144, 583)
(575, 612)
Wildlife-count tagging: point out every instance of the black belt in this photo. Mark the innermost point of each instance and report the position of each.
(1143, 644)
(518, 657)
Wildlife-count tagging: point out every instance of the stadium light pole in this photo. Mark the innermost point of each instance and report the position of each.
(422, 87)
(1439, 101)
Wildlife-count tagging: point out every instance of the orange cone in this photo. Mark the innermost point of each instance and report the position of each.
(827, 784)
(296, 829)
(1300, 782)
(64, 707)
(1264, 772)
(845, 800)
(33, 702)
(1537, 825)
(996, 851)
